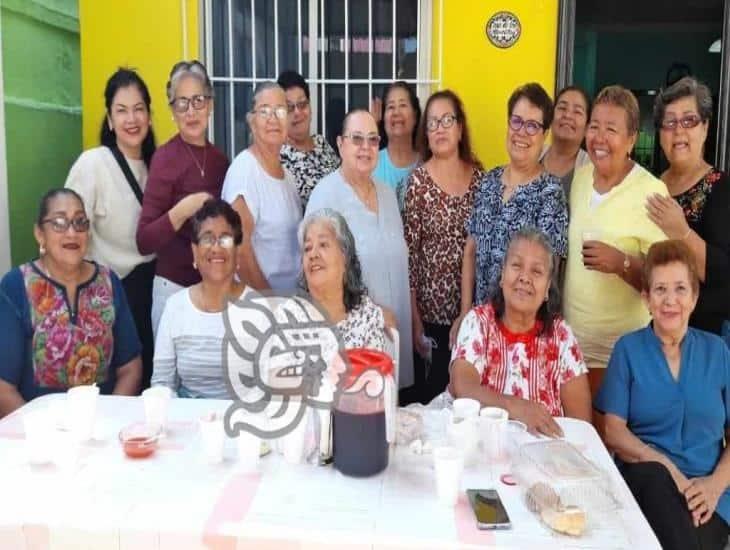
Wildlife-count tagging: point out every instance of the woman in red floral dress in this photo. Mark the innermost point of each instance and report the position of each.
(516, 352)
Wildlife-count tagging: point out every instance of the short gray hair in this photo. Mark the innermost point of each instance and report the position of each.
(684, 87)
(353, 283)
(184, 69)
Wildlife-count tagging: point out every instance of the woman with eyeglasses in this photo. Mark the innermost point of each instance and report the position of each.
(519, 194)
(371, 212)
(265, 195)
(609, 234)
(190, 336)
(438, 202)
(65, 320)
(184, 173)
(698, 210)
(307, 157)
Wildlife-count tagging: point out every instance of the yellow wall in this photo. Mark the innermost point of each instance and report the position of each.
(142, 34)
(483, 75)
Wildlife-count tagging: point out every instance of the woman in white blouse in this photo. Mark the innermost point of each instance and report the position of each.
(111, 179)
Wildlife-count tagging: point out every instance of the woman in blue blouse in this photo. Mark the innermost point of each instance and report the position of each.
(666, 397)
(65, 321)
(511, 197)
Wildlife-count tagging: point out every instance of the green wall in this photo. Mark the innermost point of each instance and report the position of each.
(42, 84)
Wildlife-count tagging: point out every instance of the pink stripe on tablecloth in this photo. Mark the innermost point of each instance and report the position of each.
(466, 525)
(232, 506)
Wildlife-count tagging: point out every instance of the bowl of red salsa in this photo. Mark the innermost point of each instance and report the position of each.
(139, 440)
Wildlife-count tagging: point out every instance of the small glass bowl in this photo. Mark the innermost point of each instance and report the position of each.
(139, 440)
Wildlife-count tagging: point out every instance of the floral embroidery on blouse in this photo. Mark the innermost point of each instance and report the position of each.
(308, 167)
(68, 348)
(435, 231)
(539, 204)
(693, 200)
(364, 326)
(530, 365)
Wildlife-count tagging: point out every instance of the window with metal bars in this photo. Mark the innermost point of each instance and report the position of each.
(347, 50)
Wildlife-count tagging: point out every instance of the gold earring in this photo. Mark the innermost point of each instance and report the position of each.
(195, 266)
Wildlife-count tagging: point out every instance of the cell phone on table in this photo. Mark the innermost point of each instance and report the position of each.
(488, 509)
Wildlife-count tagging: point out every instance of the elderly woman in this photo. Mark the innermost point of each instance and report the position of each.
(609, 232)
(510, 197)
(307, 157)
(398, 128)
(666, 400)
(333, 276)
(190, 336)
(112, 178)
(698, 211)
(371, 212)
(564, 155)
(65, 321)
(185, 172)
(438, 203)
(515, 352)
(265, 195)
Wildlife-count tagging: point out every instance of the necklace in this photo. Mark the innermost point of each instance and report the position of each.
(201, 169)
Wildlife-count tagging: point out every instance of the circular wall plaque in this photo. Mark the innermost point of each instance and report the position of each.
(503, 29)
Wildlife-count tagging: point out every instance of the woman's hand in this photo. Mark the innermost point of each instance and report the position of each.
(454, 331)
(194, 201)
(390, 321)
(598, 256)
(376, 109)
(535, 416)
(423, 349)
(668, 215)
(702, 494)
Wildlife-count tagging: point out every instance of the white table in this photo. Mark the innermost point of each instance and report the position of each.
(174, 500)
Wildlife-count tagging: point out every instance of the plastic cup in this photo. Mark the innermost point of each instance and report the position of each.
(38, 425)
(448, 465)
(66, 451)
(462, 434)
(292, 444)
(465, 407)
(156, 400)
(591, 235)
(493, 429)
(213, 437)
(81, 411)
(249, 450)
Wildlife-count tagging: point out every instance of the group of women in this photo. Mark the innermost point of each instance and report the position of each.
(141, 250)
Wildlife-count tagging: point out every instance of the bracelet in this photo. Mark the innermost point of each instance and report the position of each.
(684, 238)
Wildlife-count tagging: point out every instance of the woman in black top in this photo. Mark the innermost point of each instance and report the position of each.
(698, 211)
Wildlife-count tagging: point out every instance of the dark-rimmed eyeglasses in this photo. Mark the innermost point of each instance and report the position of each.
(446, 121)
(686, 122)
(182, 104)
(358, 140)
(60, 224)
(532, 127)
(298, 106)
(267, 112)
(208, 241)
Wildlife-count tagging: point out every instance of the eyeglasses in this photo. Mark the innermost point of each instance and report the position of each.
(298, 106)
(182, 104)
(358, 140)
(446, 121)
(267, 112)
(532, 127)
(60, 224)
(687, 122)
(208, 241)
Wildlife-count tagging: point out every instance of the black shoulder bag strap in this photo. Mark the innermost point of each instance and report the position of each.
(127, 172)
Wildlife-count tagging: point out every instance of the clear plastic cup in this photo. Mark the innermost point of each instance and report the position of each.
(448, 465)
(213, 437)
(156, 401)
(465, 407)
(39, 430)
(249, 451)
(292, 444)
(81, 411)
(493, 422)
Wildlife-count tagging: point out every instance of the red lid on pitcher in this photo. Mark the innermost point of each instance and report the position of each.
(363, 359)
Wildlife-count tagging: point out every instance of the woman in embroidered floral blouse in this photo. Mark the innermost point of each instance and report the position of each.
(439, 198)
(308, 157)
(510, 197)
(516, 352)
(698, 211)
(65, 321)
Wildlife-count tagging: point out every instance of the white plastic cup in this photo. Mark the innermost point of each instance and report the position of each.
(592, 235)
(81, 411)
(292, 444)
(156, 400)
(66, 451)
(493, 429)
(448, 465)
(463, 435)
(249, 450)
(213, 437)
(465, 407)
(39, 429)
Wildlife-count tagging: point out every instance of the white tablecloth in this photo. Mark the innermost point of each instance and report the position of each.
(175, 500)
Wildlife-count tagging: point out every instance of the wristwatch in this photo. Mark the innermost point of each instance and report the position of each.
(627, 264)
